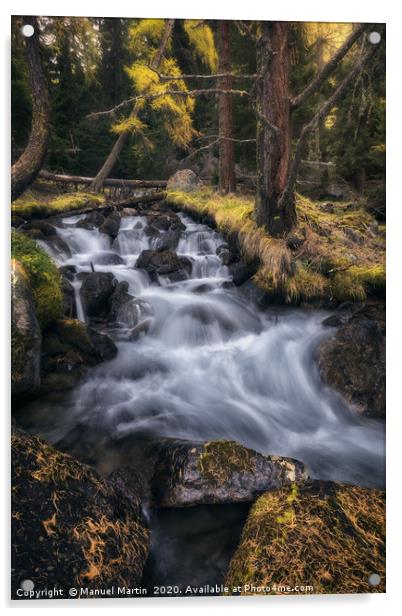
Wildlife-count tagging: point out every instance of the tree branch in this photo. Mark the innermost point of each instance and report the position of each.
(328, 69)
(212, 76)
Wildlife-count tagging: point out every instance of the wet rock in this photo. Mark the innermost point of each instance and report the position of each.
(165, 229)
(26, 337)
(108, 258)
(68, 271)
(225, 254)
(141, 328)
(95, 291)
(68, 297)
(327, 536)
(44, 228)
(58, 246)
(241, 272)
(165, 262)
(71, 527)
(16, 221)
(69, 348)
(111, 225)
(184, 180)
(353, 362)
(129, 211)
(93, 220)
(333, 321)
(188, 474)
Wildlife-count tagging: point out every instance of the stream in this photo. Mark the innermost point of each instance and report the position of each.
(211, 366)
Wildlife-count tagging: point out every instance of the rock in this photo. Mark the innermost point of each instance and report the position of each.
(68, 297)
(165, 229)
(108, 258)
(58, 246)
(188, 474)
(71, 527)
(332, 321)
(141, 328)
(16, 221)
(95, 291)
(26, 337)
(184, 180)
(353, 362)
(104, 346)
(111, 225)
(165, 262)
(224, 254)
(68, 271)
(327, 536)
(93, 220)
(45, 229)
(241, 272)
(69, 347)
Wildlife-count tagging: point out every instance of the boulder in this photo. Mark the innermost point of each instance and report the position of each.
(165, 230)
(93, 220)
(325, 536)
(111, 225)
(225, 254)
(95, 292)
(70, 526)
(241, 272)
(26, 337)
(353, 362)
(164, 262)
(69, 347)
(184, 180)
(68, 297)
(188, 474)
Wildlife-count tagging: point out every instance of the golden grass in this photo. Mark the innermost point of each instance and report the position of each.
(330, 537)
(35, 202)
(336, 252)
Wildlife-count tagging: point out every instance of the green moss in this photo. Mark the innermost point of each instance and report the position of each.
(43, 275)
(220, 459)
(34, 203)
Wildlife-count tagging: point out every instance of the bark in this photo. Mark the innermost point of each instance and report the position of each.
(227, 177)
(122, 138)
(115, 183)
(26, 168)
(273, 129)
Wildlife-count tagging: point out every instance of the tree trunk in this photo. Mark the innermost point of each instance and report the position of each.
(227, 177)
(273, 129)
(26, 168)
(122, 138)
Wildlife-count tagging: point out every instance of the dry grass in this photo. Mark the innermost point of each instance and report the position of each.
(327, 536)
(39, 201)
(336, 252)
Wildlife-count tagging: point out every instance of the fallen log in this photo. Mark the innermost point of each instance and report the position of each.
(112, 182)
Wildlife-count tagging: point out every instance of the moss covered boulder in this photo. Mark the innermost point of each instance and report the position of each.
(71, 527)
(324, 537)
(26, 338)
(188, 474)
(353, 362)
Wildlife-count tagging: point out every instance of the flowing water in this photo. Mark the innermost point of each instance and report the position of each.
(211, 366)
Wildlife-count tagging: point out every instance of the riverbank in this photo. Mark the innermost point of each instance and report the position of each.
(335, 254)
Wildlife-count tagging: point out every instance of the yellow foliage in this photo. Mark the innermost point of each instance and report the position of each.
(201, 38)
(147, 31)
(132, 124)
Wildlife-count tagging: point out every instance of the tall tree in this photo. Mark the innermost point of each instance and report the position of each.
(123, 136)
(276, 168)
(26, 168)
(227, 177)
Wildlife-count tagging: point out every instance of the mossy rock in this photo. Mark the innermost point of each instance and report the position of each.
(71, 527)
(44, 277)
(26, 336)
(188, 473)
(353, 363)
(326, 536)
(35, 204)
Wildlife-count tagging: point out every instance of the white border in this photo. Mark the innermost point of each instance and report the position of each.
(305, 10)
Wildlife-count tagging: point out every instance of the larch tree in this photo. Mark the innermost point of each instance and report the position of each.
(277, 167)
(28, 165)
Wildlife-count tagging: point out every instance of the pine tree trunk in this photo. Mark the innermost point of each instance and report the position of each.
(227, 177)
(26, 168)
(122, 138)
(273, 129)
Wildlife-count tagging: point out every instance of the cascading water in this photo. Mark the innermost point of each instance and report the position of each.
(211, 365)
